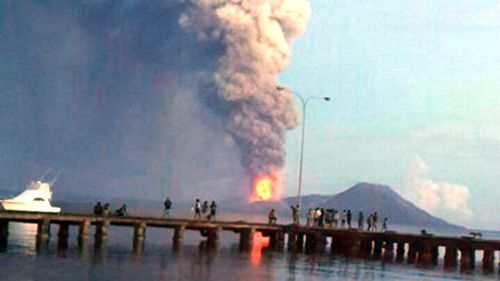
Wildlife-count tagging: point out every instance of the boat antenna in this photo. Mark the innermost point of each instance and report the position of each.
(42, 178)
(55, 179)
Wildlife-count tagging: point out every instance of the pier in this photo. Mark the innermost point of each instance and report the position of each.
(419, 249)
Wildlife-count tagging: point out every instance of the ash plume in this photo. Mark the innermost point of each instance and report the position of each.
(112, 93)
(256, 35)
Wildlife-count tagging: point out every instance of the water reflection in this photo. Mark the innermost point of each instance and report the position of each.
(118, 259)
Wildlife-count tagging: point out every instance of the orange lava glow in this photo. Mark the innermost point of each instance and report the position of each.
(265, 187)
(258, 243)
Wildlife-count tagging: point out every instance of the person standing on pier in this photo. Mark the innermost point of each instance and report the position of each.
(204, 210)
(360, 220)
(122, 212)
(384, 224)
(98, 209)
(343, 218)
(335, 218)
(369, 222)
(295, 213)
(105, 210)
(197, 209)
(213, 211)
(310, 217)
(374, 221)
(272, 217)
(167, 206)
(349, 218)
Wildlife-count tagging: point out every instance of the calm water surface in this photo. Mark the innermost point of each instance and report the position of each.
(159, 261)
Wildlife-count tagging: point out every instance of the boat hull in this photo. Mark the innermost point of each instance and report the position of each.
(14, 206)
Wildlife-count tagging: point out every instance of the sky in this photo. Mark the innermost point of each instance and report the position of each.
(113, 94)
(414, 92)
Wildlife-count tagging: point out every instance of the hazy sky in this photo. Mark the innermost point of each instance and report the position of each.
(413, 84)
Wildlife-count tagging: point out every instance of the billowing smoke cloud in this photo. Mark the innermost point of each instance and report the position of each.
(115, 93)
(440, 198)
(256, 35)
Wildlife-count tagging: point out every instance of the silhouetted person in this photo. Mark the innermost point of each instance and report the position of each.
(317, 213)
(335, 218)
(197, 209)
(360, 220)
(329, 217)
(295, 213)
(105, 210)
(167, 206)
(122, 212)
(272, 217)
(374, 221)
(343, 218)
(321, 220)
(213, 210)
(204, 209)
(384, 224)
(349, 218)
(310, 217)
(369, 222)
(98, 209)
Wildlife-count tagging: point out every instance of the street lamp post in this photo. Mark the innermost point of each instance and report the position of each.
(304, 107)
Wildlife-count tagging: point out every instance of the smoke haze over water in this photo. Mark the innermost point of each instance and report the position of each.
(115, 94)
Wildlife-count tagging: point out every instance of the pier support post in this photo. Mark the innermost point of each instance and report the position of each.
(488, 260)
(400, 251)
(467, 258)
(365, 248)
(83, 232)
(101, 233)
(276, 240)
(377, 249)
(4, 234)
(388, 251)
(435, 254)
(43, 231)
(178, 234)
(300, 241)
(293, 238)
(246, 238)
(213, 237)
(412, 253)
(425, 254)
(139, 234)
(315, 242)
(62, 236)
(450, 257)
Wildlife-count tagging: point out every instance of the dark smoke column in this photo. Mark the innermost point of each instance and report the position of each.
(256, 35)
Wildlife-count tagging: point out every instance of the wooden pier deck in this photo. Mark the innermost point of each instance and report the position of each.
(420, 249)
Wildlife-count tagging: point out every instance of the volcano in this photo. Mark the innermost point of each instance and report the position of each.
(365, 197)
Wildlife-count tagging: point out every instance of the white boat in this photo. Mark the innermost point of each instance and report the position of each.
(36, 198)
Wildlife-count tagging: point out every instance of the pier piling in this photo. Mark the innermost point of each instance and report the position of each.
(43, 230)
(4, 234)
(62, 236)
(400, 251)
(450, 257)
(246, 238)
(488, 260)
(179, 234)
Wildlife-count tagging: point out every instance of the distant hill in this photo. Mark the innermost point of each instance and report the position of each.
(365, 197)
(368, 198)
